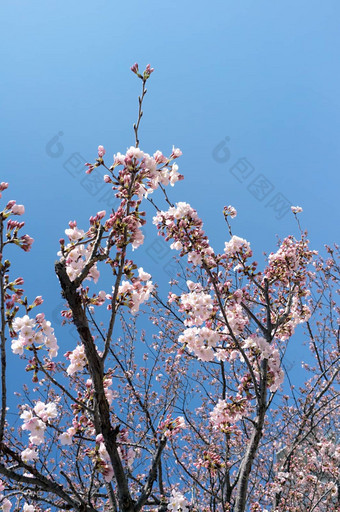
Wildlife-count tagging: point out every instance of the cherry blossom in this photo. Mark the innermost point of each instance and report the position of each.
(77, 360)
(36, 331)
(178, 502)
(296, 209)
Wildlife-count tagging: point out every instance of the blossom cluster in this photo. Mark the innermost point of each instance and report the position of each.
(170, 427)
(77, 254)
(146, 73)
(229, 211)
(296, 209)
(38, 331)
(210, 460)
(11, 208)
(237, 245)
(226, 413)
(200, 341)
(298, 314)
(77, 360)
(236, 318)
(35, 421)
(178, 502)
(133, 175)
(137, 292)
(288, 264)
(260, 348)
(13, 226)
(197, 305)
(139, 174)
(150, 176)
(182, 224)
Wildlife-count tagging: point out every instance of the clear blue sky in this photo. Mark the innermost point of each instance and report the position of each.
(263, 74)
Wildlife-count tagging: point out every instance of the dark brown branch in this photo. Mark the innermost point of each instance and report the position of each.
(152, 476)
(95, 363)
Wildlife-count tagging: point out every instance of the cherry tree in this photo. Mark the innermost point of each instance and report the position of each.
(177, 401)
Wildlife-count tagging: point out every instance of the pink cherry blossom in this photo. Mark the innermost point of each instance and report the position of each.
(176, 152)
(29, 454)
(143, 276)
(66, 438)
(235, 245)
(28, 508)
(18, 209)
(230, 211)
(26, 242)
(101, 151)
(77, 359)
(170, 427)
(178, 502)
(6, 505)
(134, 68)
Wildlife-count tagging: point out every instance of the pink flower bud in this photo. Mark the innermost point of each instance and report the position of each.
(134, 68)
(176, 152)
(10, 204)
(101, 214)
(148, 71)
(101, 151)
(40, 317)
(90, 168)
(38, 300)
(3, 186)
(107, 179)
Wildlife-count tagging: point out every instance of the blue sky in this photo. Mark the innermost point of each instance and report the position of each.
(248, 90)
